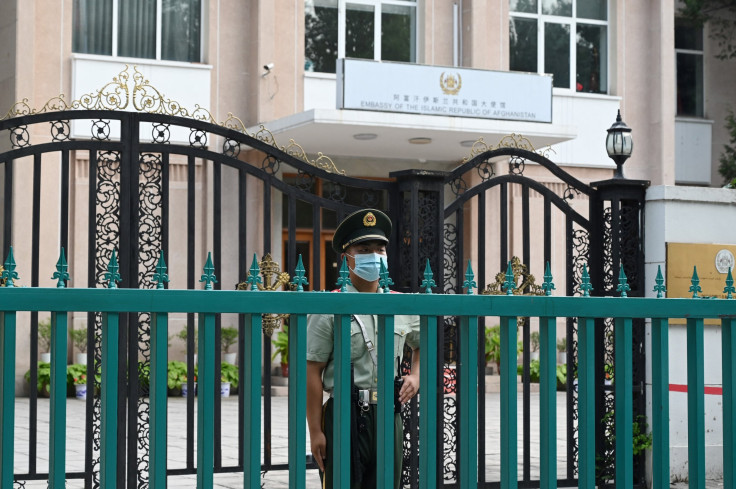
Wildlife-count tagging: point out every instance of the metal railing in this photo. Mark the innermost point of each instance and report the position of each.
(469, 308)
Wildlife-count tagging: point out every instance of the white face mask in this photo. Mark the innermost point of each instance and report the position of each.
(368, 265)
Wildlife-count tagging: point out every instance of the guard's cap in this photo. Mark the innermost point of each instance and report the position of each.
(363, 225)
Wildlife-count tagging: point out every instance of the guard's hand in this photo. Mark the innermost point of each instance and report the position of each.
(409, 388)
(319, 449)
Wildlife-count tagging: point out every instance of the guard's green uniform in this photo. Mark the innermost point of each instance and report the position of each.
(320, 341)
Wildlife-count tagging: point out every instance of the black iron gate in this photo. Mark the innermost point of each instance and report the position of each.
(238, 194)
(486, 204)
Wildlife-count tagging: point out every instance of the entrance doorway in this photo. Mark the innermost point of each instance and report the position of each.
(329, 260)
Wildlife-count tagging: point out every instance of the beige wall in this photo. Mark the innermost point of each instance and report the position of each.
(8, 57)
(435, 32)
(485, 34)
(644, 66)
(230, 46)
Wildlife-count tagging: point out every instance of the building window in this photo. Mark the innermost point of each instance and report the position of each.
(567, 38)
(689, 54)
(151, 29)
(367, 29)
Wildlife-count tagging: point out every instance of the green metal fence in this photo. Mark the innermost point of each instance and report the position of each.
(470, 309)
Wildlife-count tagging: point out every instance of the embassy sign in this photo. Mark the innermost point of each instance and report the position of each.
(448, 91)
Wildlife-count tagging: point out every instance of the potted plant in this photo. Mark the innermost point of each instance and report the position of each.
(80, 387)
(79, 340)
(561, 373)
(608, 374)
(533, 371)
(185, 386)
(493, 346)
(44, 340)
(534, 339)
(228, 379)
(228, 338)
(176, 375)
(562, 350)
(43, 379)
(281, 347)
(144, 379)
(76, 380)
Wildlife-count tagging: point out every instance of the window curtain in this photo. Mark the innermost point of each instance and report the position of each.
(137, 28)
(92, 27)
(181, 30)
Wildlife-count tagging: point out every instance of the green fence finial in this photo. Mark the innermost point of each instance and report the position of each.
(510, 284)
(299, 279)
(469, 282)
(428, 282)
(660, 289)
(9, 274)
(61, 270)
(585, 285)
(729, 289)
(344, 279)
(112, 274)
(208, 277)
(695, 281)
(547, 285)
(254, 275)
(623, 287)
(385, 280)
(160, 276)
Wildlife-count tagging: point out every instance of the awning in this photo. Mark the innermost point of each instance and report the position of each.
(381, 135)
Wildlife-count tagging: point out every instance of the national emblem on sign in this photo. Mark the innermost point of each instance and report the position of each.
(450, 83)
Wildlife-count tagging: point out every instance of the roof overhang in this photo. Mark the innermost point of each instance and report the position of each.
(381, 135)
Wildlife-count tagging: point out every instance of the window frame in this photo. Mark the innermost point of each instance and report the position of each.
(573, 21)
(377, 6)
(701, 54)
(159, 26)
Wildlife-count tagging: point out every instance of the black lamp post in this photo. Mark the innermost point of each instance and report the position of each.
(619, 144)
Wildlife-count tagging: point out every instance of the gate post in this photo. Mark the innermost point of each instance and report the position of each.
(417, 207)
(617, 214)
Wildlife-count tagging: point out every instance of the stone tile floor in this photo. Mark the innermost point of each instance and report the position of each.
(274, 479)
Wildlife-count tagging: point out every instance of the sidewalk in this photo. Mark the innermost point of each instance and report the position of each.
(275, 479)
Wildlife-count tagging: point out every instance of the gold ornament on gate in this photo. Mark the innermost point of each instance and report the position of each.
(273, 279)
(527, 285)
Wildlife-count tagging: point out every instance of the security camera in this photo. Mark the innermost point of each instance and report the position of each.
(266, 69)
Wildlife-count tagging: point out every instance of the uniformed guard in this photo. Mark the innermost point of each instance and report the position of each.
(361, 238)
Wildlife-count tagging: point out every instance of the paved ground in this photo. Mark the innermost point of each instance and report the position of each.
(275, 479)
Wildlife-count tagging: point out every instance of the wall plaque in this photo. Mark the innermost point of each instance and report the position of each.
(712, 262)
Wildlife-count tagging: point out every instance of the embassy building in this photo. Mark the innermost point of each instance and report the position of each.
(365, 89)
(256, 126)
(385, 85)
